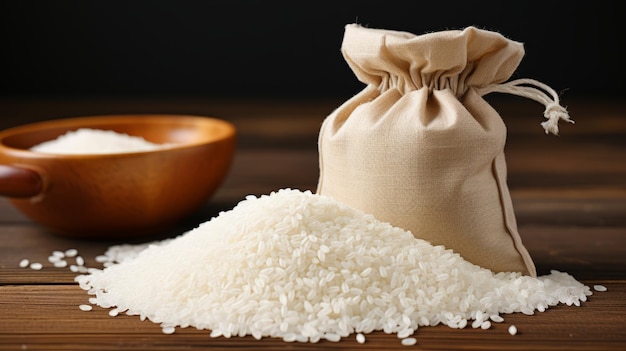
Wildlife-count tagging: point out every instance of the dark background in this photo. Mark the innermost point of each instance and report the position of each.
(279, 48)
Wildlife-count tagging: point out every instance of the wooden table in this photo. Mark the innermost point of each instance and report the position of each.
(569, 194)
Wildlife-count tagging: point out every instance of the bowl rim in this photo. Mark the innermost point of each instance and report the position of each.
(73, 123)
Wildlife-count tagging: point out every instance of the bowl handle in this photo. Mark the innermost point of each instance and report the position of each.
(19, 182)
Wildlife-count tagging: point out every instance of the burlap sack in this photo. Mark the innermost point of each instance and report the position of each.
(420, 148)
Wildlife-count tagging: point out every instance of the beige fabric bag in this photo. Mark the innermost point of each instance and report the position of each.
(421, 149)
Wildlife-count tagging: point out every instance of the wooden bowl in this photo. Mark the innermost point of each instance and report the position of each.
(120, 195)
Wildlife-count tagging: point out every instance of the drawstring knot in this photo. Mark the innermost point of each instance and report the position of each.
(554, 113)
(532, 89)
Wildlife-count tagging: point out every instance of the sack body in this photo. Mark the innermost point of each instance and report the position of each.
(420, 148)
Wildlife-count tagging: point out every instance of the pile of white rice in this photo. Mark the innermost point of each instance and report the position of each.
(85, 141)
(303, 267)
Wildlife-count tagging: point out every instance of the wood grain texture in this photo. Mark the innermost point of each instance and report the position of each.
(569, 194)
(48, 315)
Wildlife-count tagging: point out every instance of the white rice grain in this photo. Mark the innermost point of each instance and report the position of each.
(598, 287)
(512, 329)
(24, 263)
(496, 318)
(168, 330)
(36, 266)
(300, 266)
(102, 258)
(360, 338)
(60, 264)
(405, 333)
(409, 341)
(332, 337)
(85, 307)
(289, 337)
(71, 252)
(95, 141)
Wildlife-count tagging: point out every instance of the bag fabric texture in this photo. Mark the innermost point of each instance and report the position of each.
(420, 148)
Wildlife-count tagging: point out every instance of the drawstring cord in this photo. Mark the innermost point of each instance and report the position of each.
(534, 90)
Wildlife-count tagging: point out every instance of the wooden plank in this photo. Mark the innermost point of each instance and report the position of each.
(42, 317)
(587, 253)
(568, 207)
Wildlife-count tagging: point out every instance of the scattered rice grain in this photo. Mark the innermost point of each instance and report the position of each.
(360, 338)
(36, 266)
(24, 263)
(85, 307)
(598, 287)
(71, 252)
(409, 341)
(60, 264)
(168, 330)
(512, 329)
